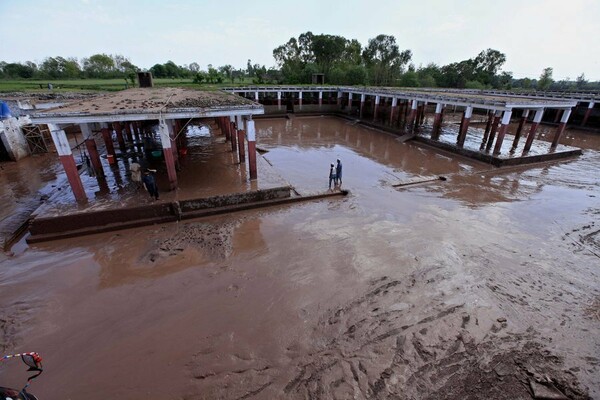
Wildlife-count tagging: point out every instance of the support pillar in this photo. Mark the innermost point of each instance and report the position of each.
(226, 127)
(233, 133)
(393, 110)
(256, 97)
(490, 140)
(173, 134)
(299, 99)
(377, 98)
(561, 127)
(588, 112)
(531, 135)
(320, 99)
(278, 99)
(127, 126)
(464, 126)
(350, 100)
(412, 116)
(136, 131)
(118, 129)
(437, 120)
(165, 139)
(519, 129)
(423, 110)
(107, 137)
(488, 126)
(502, 131)
(362, 105)
(240, 137)
(251, 135)
(59, 137)
(90, 145)
(339, 98)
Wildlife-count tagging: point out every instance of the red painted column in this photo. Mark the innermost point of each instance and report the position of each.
(561, 127)
(240, 137)
(588, 112)
(411, 117)
(531, 135)
(165, 139)
(362, 105)
(92, 150)
(233, 133)
(488, 126)
(251, 134)
(226, 126)
(393, 110)
(519, 129)
(488, 145)
(464, 126)
(502, 131)
(110, 148)
(61, 143)
(375, 107)
(437, 121)
(119, 131)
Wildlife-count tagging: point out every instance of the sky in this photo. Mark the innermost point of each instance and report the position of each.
(534, 34)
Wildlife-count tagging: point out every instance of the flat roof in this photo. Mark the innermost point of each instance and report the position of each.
(475, 98)
(149, 104)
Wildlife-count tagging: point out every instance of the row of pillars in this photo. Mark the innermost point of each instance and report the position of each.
(237, 129)
(498, 122)
(170, 134)
(394, 103)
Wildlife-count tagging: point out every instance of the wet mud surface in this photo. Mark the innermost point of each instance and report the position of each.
(485, 285)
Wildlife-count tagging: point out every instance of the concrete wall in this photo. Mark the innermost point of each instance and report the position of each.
(239, 198)
(12, 137)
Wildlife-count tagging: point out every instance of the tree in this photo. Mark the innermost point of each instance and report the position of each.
(581, 82)
(194, 67)
(327, 51)
(384, 59)
(487, 64)
(98, 66)
(227, 71)
(17, 70)
(545, 79)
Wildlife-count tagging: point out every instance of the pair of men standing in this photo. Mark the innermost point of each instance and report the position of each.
(335, 174)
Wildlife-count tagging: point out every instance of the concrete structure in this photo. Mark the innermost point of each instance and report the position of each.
(121, 113)
(12, 137)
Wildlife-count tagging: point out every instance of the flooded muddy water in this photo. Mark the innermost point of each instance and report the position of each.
(485, 285)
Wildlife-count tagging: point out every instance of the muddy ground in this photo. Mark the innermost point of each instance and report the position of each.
(481, 286)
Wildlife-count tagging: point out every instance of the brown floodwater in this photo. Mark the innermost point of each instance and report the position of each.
(466, 288)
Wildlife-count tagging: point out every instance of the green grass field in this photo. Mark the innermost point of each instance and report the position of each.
(86, 85)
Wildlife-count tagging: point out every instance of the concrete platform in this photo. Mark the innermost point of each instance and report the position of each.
(210, 177)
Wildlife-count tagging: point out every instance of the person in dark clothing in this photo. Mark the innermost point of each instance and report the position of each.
(150, 183)
(338, 172)
(332, 176)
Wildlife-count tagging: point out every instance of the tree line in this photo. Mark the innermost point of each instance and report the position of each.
(381, 62)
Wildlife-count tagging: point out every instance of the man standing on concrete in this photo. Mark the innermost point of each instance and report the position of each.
(338, 172)
(332, 177)
(150, 183)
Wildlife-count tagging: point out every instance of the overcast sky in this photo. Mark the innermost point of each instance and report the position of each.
(533, 34)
